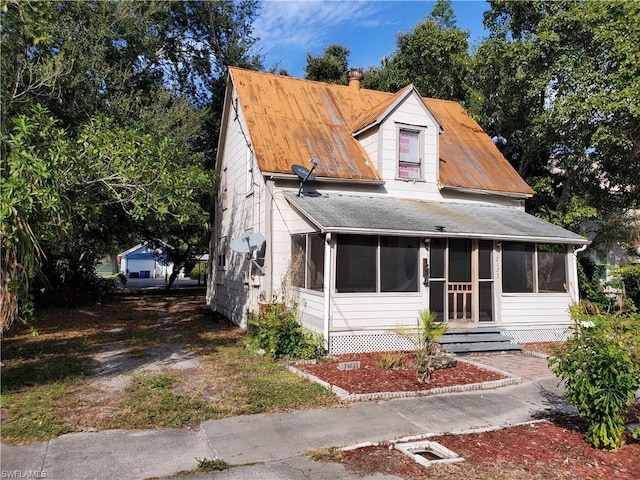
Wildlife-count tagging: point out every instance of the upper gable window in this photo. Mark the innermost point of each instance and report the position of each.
(410, 153)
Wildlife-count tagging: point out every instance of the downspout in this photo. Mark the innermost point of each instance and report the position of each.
(575, 270)
(327, 290)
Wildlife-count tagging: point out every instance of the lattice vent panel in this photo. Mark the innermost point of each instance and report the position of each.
(342, 344)
(539, 335)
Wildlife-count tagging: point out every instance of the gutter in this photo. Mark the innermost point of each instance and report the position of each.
(354, 181)
(475, 191)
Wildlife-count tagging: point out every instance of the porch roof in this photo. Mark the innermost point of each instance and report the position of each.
(381, 215)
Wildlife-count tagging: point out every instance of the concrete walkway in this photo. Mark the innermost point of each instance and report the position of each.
(272, 446)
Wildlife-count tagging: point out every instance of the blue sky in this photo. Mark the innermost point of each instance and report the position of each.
(289, 29)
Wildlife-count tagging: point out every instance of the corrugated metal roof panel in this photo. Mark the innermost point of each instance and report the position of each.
(291, 120)
(468, 157)
(390, 215)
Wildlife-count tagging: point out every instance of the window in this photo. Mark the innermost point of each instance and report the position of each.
(356, 263)
(372, 264)
(223, 189)
(222, 249)
(517, 267)
(307, 261)
(298, 253)
(315, 262)
(531, 268)
(409, 154)
(552, 270)
(398, 264)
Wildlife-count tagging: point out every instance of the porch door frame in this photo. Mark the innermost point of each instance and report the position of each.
(465, 291)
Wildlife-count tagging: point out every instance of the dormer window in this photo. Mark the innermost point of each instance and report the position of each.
(410, 153)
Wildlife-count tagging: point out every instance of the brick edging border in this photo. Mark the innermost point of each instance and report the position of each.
(358, 397)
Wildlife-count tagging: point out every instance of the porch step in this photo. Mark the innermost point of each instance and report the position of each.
(477, 340)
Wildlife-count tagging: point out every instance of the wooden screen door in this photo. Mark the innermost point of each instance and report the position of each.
(460, 281)
(451, 292)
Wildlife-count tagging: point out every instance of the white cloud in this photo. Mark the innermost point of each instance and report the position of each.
(309, 24)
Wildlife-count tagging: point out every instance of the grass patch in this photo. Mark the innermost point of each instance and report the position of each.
(329, 454)
(48, 390)
(282, 391)
(151, 403)
(212, 465)
(31, 414)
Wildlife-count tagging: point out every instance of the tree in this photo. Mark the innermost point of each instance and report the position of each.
(131, 96)
(433, 56)
(58, 192)
(330, 67)
(560, 82)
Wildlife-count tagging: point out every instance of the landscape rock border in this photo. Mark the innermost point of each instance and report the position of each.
(359, 397)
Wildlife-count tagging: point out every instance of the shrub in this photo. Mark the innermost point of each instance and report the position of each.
(276, 330)
(600, 365)
(199, 271)
(390, 360)
(426, 342)
(630, 279)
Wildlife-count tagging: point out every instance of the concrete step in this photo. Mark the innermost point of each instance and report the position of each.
(473, 338)
(476, 340)
(482, 347)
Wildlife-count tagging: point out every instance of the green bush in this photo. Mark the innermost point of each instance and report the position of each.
(590, 275)
(199, 271)
(630, 279)
(600, 365)
(276, 330)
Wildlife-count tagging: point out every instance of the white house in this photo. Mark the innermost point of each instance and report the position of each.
(412, 207)
(140, 261)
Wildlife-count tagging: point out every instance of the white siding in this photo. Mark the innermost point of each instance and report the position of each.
(410, 113)
(370, 141)
(239, 213)
(548, 309)
(311, 310)
(375, 311)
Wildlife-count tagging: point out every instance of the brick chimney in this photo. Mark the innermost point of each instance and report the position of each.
(355, 77)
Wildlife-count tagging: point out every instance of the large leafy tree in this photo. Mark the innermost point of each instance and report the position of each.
(109, 117)
(330, 67)
(560, 83)
(433, 56)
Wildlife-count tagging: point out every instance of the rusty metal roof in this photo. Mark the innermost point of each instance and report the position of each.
(291, 120)
(468, 157)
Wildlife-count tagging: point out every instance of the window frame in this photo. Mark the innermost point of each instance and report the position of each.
(535, 269)
(400, 127)
(306, 250)
(378, 261)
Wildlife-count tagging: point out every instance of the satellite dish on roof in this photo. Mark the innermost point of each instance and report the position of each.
(247, 243)
(304, 174)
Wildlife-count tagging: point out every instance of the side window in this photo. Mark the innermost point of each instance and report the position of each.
(409, 154)
(222, 253)
(552, 268)
(298, 254)
(222, 194)
(307, 261)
